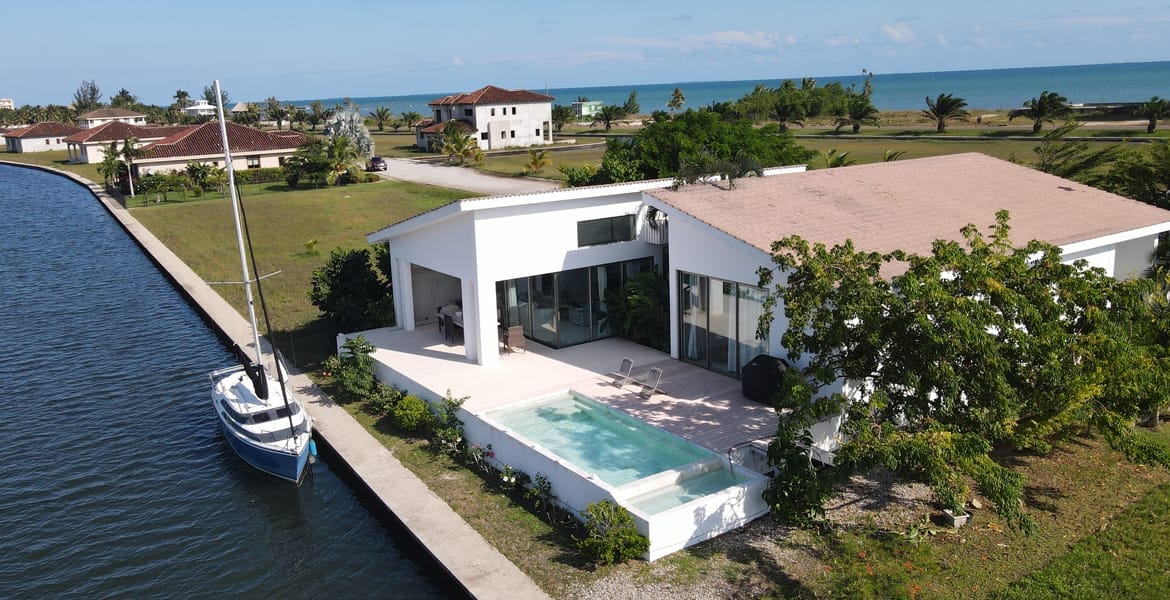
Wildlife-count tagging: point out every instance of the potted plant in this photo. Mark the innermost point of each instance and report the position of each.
(956, 516)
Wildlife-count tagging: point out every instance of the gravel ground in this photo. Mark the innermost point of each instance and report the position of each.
(876, 498)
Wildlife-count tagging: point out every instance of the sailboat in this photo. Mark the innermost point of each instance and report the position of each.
(262, 422)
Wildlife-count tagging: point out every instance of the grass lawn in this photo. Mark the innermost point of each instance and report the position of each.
(58, 159)
(396, 145)
(513, 164)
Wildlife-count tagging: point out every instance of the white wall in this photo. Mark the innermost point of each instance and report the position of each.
(36, 144)
(239, 162)
(528, 118)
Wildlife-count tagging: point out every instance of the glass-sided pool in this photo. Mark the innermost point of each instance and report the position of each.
(615, 447)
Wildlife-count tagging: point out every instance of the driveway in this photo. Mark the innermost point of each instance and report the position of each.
(462, 178)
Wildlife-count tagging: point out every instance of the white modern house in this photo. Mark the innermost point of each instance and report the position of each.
(587, 108)
(41, 137)
(251, 148)
(7, 103)
(101, 116)
(201, 108)
(495, 117)
(89, 146)
(543, 262)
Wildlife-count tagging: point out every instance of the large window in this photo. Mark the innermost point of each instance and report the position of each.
(565, 308)
(717, 322)
(605, 231)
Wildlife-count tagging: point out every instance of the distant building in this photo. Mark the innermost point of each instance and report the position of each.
(496, 118)
(201, 108)
(102, 116)
(89, 146)
(251, 148)
(42, 137)
(587, 108)
(7, 103)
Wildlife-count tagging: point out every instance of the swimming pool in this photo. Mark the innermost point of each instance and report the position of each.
(615, 447)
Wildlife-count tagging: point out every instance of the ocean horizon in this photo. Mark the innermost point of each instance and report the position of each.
(983, 89)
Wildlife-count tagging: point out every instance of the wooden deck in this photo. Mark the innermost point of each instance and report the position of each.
(699, 405)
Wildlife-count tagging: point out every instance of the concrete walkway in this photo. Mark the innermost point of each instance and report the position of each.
(477, 566)
(462, 178)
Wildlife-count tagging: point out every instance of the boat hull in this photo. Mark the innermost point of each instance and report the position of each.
(285, 465)
(285, 458)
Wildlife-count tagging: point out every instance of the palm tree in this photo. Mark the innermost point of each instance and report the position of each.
(129, 152)
(860, 111)
(381, 116)
(833, 159)
(458, 145)
(942, 108)
(1043, 109)
(182, 99)
(788, 110)
(410, 118)
(537, 160)
(561, 115)
(1156, 108)
(108, 167)
(677, 99)
(608, 115)
(343, 158)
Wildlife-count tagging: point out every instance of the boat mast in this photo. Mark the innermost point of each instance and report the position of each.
(231, 177)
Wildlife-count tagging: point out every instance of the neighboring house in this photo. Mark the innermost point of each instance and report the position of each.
(102, 116)
(201, 108)
(239, 108)
(42, 137)
(495, 117)
(587, 108)
(250, 148)
(7, 103)
(89, 146)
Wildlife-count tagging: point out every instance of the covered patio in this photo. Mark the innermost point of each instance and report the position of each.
(701, 406)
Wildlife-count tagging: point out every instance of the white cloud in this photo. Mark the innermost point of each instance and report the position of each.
(755, 39)
(941, 40)
(841, 40)
(458, 62)
(898, 32)
(1104, 21)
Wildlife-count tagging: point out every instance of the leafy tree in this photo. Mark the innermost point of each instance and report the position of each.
(608, 115)
(458, 144)
(631, 107)
(942, 108)
(250, 116)
(788, 109)
(638, 311)
(349, 293)
(318, 114)
(1156, 108)
(859, 111)
(182, 99)
(124, 99)
(275, 111)
(1041, 110)
(296, 116)
(87, 97)
(1080, 160)
(976, 345)
(310, 161)
(561, 115)
(677, 99)
(381, 116)
(209, 95)
(1142, 174)
(537, 160)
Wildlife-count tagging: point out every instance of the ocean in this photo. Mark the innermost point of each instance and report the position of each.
(982, 89)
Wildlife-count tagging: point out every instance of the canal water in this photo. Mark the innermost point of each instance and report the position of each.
(115, 480)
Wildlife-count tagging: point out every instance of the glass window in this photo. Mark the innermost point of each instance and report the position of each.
(605, 278)
(751, 307)
(513, 132)
(493, 112)
(483, 136)
(693, 318)
(605, 231)
(544, 304)
(467, 112)
(721, 326)
(513, 110)
(573, 307)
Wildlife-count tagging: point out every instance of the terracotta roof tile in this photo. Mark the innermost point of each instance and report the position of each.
(44, 129)
(910, 203)
(119, 130)
(109, 113)
(204, 140)
(490, 94)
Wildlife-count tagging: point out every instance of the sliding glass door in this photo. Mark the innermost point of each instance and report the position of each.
(717, 323)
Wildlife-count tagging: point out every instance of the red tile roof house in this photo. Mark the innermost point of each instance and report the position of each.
(542, 262)
(102, 116)
(496, 118)
(42, 137)
(251, 148)
(89, 146)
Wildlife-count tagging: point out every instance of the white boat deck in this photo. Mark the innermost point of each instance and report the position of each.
(699, 405)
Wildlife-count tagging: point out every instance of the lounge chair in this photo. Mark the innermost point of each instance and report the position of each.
(650, 383)
(622, 376)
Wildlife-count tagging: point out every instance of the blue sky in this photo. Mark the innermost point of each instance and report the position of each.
(296, 49)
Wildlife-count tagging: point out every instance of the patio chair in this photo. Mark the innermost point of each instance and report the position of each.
(451, 328)
(514, 339)
(622, 376)
(650, 383)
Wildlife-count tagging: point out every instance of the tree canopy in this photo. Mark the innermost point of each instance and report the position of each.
(977, 345)
(1042, 109)
(945, 107)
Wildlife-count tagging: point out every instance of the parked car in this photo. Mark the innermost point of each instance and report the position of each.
(377, 164)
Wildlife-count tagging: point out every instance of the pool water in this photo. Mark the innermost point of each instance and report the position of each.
(615, 447)
(686, 490)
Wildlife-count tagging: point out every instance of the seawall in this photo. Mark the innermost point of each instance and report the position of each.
(471, 562)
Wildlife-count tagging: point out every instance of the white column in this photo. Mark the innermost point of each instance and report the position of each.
(403, 294)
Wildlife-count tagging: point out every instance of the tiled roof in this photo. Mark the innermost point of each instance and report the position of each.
(438, 127)
(204, 140)
(119, 130)
(43, 129)
(109, 113)
(490, 94)
(908, 204)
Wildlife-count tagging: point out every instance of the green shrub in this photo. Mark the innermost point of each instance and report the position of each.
(383, 399)
(411, 414)
(265, 175)
(611, 535)
(447, 430)
(354, 368)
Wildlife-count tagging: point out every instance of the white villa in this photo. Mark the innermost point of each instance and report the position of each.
(496, 118)
(101, 116)
(544, 261)
(41, 137)
(7, 104)
(251, 148)
(201, 108)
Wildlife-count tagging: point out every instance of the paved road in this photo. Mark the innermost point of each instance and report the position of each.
(462, 178)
